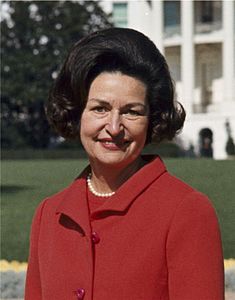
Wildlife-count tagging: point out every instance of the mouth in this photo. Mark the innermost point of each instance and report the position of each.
(113, 144)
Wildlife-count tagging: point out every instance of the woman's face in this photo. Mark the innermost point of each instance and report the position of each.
(114, 122)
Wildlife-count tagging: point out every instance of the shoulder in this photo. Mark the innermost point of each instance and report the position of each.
(52, 202)
(178, 197)
(56, 198)
(175, 184)
(185, 194)
(156, 172)
(49, 205)
(191, 207)
(175, 189)
(167, 190)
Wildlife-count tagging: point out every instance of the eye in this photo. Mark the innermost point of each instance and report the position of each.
(100, 109)
(133, 112)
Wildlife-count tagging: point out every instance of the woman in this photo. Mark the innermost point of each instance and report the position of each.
(125, 228)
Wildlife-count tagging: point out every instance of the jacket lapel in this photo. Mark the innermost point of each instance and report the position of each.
(74, 202)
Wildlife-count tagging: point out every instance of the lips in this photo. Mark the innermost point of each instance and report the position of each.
(114, 145)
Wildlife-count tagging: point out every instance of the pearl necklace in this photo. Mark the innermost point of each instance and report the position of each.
(91, 188)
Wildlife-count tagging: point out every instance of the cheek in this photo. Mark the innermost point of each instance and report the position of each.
(85, 128)
(140, 131)
(89, 126)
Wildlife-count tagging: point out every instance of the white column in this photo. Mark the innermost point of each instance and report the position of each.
(187, 55)
(139, 16)
(157, 18)
(228, 51)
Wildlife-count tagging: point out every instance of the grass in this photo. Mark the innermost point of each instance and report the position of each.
(25, 183)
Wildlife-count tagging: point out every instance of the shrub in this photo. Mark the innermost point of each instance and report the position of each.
(230, 147)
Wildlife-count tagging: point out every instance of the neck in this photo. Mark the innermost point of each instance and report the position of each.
(106, 178)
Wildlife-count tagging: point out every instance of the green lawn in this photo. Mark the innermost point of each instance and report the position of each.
(26, 182)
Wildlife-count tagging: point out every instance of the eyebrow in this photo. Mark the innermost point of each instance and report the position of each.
(132, 104)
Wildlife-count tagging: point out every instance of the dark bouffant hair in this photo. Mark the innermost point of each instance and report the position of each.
(114, 50)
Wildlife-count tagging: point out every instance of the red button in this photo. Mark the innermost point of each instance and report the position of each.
(95, 237)
(80, 293)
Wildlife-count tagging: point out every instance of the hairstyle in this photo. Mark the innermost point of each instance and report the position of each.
(114, 50)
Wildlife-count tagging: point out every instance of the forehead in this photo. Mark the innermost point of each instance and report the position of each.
(116, 87)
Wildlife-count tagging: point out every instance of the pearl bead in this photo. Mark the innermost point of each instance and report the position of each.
(91, 188)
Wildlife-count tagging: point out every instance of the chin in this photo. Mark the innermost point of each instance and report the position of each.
(116, 162)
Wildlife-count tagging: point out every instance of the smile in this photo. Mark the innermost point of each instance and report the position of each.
(113, 145)
(108, 143)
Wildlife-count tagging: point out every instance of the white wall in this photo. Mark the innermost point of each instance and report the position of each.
(208, 56)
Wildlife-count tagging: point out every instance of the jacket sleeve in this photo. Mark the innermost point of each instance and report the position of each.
(194, 252)
(33, 285)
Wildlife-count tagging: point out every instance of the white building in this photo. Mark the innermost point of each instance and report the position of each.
(197, 39)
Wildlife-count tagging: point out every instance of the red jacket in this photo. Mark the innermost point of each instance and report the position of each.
(155, 239)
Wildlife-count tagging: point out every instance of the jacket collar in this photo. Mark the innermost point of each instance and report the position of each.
(74, 203)
(134, 186)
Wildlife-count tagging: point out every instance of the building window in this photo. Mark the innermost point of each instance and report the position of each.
(171, 18)
(207, 12)
(208, 16)
(120, 14)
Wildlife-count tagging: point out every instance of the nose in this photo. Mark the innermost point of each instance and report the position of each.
(114, 125)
